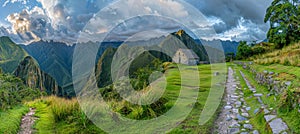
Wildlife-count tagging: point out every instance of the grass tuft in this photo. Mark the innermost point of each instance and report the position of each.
(10, 120)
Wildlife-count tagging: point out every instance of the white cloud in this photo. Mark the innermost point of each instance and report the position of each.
(29, 25)
(24, 2)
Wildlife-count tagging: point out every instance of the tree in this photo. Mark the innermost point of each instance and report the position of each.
(244, 51)
(283, 16)
(230, 57)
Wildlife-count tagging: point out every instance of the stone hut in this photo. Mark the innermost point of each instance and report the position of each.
(186, 56)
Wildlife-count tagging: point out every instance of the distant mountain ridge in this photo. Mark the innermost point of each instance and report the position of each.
(11, 54)
(55, 58)
(228, 46)
(15, 60)
(170, 44)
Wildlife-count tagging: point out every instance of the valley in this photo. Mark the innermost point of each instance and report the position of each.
(159, 66)
(247, 106)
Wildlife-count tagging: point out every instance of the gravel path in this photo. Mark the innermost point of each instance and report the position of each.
(223, 121)
(27, 122)
(234, 117)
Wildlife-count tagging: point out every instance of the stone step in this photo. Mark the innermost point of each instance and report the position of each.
(278, 126)
(268, 118)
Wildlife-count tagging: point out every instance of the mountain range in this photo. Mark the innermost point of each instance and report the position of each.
(10, 54)
(15, 60)
(48, 65)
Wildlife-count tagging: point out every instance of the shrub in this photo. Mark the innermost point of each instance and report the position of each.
(13, 92)
(289, 100)
(286, 62)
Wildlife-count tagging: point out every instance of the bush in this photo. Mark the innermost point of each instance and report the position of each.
(290, 100)
(244, 51)
(286, 62)
(13, 92)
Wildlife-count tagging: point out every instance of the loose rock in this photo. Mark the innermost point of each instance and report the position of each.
(248, 126)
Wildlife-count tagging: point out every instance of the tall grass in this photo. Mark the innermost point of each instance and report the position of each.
(288, 56)
(59, 115)
(10, 120)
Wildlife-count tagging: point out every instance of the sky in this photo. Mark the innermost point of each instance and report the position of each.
(26, 21)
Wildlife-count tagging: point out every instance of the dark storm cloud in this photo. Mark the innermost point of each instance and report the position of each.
(230, 11)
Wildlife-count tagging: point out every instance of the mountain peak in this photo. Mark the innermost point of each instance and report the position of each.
(32, 76)
(180, 32)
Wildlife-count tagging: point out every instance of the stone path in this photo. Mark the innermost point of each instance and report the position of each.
(27, 122)
(234, 117)
(276, 124)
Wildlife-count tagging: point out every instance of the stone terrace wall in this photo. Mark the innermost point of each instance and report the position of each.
(266, 78)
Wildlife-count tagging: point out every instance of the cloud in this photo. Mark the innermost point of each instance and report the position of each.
(138, 24)
(29, 25)
(230, 12)
(136, 18)
(24, 2)
(64, 20)
(59, 20)
(245, 30)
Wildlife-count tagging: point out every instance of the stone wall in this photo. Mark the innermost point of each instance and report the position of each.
(266, 78)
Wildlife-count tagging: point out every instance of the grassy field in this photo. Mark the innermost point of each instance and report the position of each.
(57, 115)
(289, 116)
(191, 124)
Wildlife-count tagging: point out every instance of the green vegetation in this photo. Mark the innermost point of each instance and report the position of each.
(10, 120)
(58, 115)
(244, 50)
(288, 56)
(10, 55)
(282, 104)
(173, 76)
(13, 92)
(230, 57)
(140, 78)
(283, 16)
(257, 119)
(145, 58)
(103, 70)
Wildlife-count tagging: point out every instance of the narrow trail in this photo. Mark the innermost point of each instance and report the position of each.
(27, 122)
(234, 117)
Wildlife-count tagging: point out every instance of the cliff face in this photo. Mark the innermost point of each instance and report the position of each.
(32, 76)
(103, 68)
